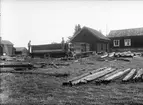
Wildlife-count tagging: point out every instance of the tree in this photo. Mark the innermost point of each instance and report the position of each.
(69, 38)
(77, 28)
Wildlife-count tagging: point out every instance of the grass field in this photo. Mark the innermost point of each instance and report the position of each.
(39, 89)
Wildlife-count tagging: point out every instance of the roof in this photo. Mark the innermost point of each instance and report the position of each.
(20, 48)
(126, 32)
(6, 42)
(47, 46)
(93, 31)
(97, 33)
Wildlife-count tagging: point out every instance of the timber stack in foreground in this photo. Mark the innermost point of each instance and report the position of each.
(106, 75)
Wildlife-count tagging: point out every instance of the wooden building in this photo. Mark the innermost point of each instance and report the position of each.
(126, 39)
(21, 51)
(88, 39)
(1, 49)
(49, 50)
(6, 48)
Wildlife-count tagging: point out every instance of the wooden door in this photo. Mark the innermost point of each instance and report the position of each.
(98, 47)
(1, 50)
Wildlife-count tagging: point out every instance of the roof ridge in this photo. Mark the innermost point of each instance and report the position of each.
(127, 29)
(126, 32)
(94, 32)
(100, 36)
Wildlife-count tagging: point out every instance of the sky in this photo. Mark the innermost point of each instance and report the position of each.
(47, 21)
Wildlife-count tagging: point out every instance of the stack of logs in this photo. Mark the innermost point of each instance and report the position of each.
(107, 74)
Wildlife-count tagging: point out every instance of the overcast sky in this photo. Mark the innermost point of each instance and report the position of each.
(46, 21)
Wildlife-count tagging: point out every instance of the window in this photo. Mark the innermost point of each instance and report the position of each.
(116, 43)
(127, 42)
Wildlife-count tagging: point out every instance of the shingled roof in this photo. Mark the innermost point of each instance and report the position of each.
(96, 33)
(126, 32)
(6, 42)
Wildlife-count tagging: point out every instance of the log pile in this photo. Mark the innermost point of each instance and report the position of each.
(117, 75)
(138, 75)
(108, 74)
(129, 75)
(92, 76)
(117, 55)
(16, 66)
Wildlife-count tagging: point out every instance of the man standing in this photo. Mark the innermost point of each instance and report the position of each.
(29, 46)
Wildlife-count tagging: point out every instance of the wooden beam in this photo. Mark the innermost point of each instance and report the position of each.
(28, 65)
(108, 75)
(117, 75)
(92, 76)
(86, 74)
(37, 72)
(129, 75)
(138, 74)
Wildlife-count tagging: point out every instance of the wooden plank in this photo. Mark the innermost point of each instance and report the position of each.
(129, 75)
(138, 74)
(93, 76)
(37, 72)
(124, 59)
(28, 65)
(117, 75)
(6, 69)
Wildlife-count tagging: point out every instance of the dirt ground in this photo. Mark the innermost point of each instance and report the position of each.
(40, 89)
